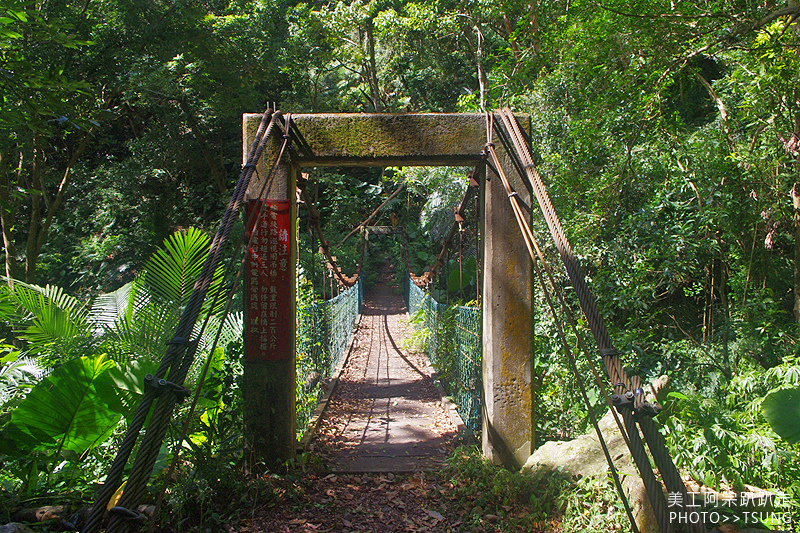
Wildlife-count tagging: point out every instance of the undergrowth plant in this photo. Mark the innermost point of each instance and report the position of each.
(516, 500)
(63, 432)
(593, 505)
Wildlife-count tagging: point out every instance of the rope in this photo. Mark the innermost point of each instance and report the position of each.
(472, 190)
(324, 246)
(176, 348)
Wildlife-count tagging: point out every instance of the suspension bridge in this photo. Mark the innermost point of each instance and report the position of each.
(492, 346)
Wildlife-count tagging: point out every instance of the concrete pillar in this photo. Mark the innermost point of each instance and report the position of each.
(268, 384)
(507, 323)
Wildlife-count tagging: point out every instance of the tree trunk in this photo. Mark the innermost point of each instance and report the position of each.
(41, 221)
(795, 192)
(372, 73)
(482, 82)
(31, 250)
(8, 211)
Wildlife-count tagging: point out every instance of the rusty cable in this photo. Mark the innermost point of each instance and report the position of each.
(162, 414)
(313, 217)
(189, 316)
(610, 357)
(529, 242)
(179, 347)
(253, 220)
(471, 191)
(374, 213)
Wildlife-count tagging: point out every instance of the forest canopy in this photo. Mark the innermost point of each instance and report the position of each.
(668, 133)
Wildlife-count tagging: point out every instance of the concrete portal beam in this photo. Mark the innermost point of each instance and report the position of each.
(411, 140)
(357, 139)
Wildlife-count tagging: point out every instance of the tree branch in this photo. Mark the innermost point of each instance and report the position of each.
(369, 218)
(723, 113)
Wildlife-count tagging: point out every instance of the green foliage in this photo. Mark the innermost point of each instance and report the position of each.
(782, 411)
(101, 351)
(53, 323)
(463, 280)
(593, 505)
(18, 374)
(726, 442)
(518, 499)
(667, 135)
(171, 272)
(73, 409)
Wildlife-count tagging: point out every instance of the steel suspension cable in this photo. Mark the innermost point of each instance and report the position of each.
(565, 308)
(589, 410)
(527, 234)
(162, 413)
(630, 388)
(157, 389)
(253, 219)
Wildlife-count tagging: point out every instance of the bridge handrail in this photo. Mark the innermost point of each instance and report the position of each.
(324, 331)
(455, 349)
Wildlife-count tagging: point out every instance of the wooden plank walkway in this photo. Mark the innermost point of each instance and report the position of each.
(386, 413)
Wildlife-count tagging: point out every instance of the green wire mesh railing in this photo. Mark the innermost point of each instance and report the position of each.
(323, 334)
(453, 345)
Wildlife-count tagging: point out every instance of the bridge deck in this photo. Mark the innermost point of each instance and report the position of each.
(386, 414)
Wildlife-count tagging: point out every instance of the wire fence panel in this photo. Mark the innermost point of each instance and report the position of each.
(453, 344)
(324, 331)
(468, 383)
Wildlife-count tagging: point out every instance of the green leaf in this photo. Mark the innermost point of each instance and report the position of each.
(107, 308)
(70, 409)
(781, 408)
(126, 386)
(172, 270)
(50, 314)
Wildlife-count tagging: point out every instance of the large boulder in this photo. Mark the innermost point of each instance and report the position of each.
(583, 457)
(15, 527)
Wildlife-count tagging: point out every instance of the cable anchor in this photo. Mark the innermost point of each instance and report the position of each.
(627, 401)
(162, 386)
(127, 514)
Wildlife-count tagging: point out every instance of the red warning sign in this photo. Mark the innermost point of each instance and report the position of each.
(267, 285)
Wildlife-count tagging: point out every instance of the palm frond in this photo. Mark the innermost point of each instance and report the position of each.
(173, 269)
(231, 331)
(15, 375)
(143, 333)
(47, 315)
(107, 308)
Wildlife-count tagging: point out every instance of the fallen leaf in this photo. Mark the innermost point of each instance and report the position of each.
(436, 515)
